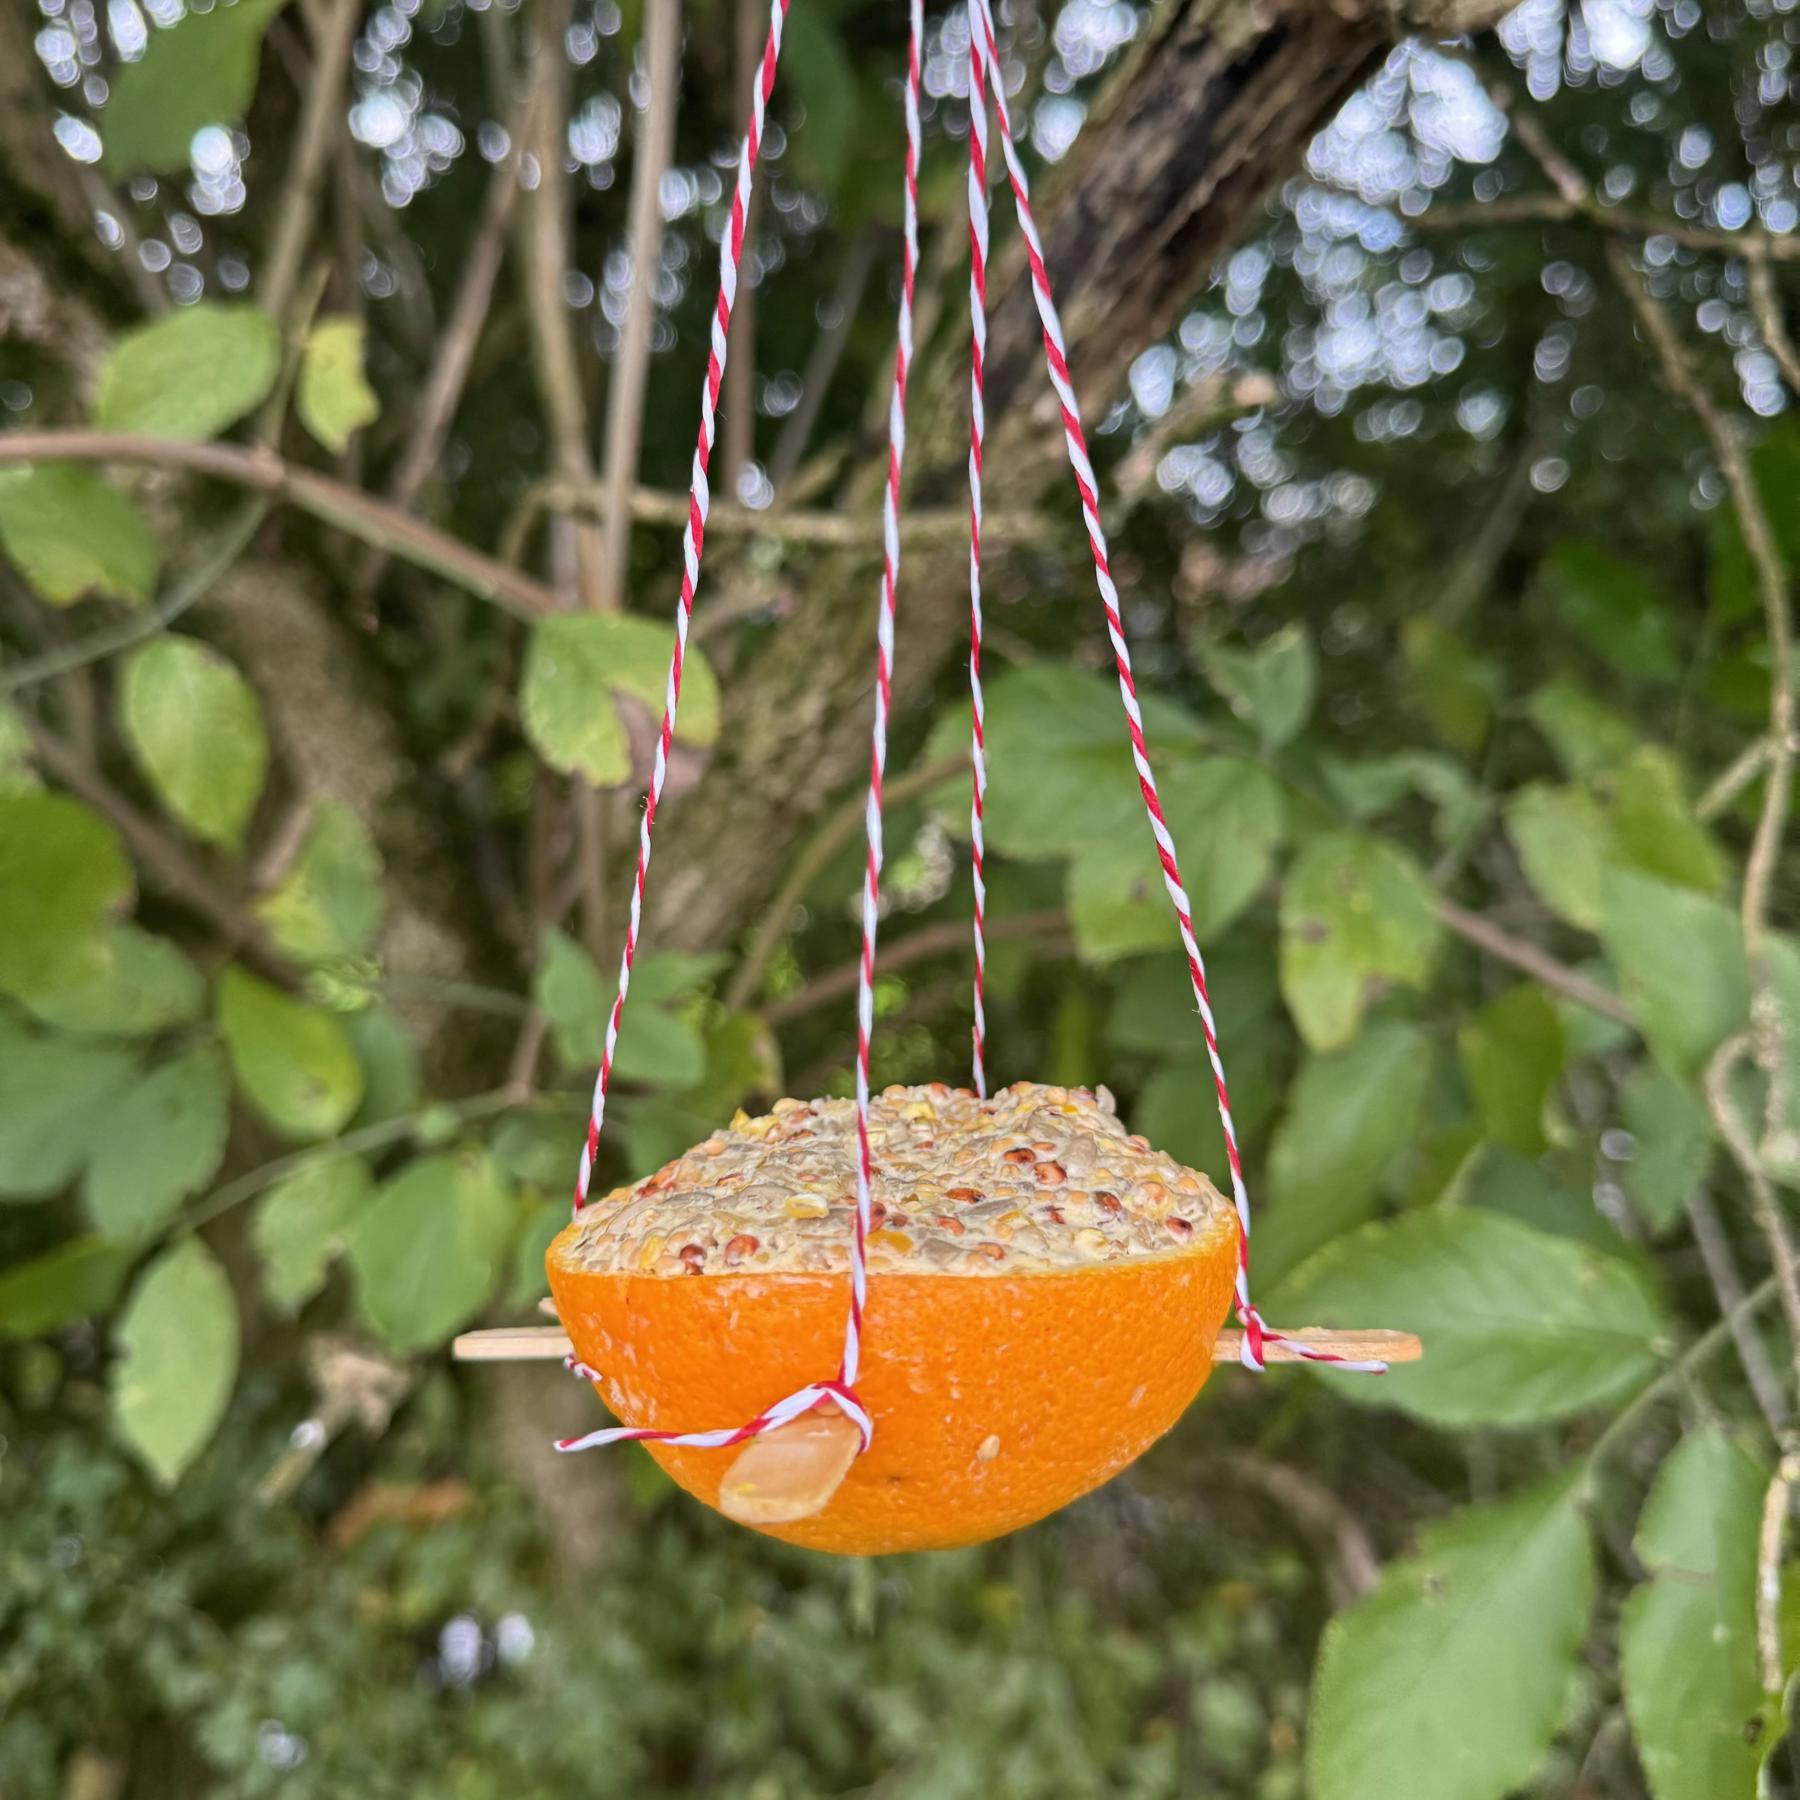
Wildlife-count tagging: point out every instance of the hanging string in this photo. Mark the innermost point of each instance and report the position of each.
(693, 544)
(984, 70)
(840, 1390)
(884, 678)
(978, 253)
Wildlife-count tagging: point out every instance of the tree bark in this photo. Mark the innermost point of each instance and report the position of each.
(1214, 106)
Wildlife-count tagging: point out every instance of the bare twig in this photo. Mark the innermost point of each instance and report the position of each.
(456, 343)
(1538, 964)
(1351, 1566)
(1768, 1027)
(1771, 1540)
(1728, 1286)
(352, 511)
(1764, 1204)
(334, 25)
(838, 831)
(1765, 303)
(822, 360)
(918, 946)
(1725, 788)
(182, 593)
(630, 379)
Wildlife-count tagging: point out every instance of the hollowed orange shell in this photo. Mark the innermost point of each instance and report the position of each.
(996, 1398)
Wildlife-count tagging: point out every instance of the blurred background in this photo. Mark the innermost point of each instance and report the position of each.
(1440, 371)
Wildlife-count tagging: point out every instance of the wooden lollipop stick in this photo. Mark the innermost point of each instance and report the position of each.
(549, 1343)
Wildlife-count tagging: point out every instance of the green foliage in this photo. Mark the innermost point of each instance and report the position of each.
(1350, 1113)
(427, 1250)
(195, 726)
(163, 1141)
(1227, 819)
(127, 984)
(1673, 1143)
(659, 1041)
(303, 1224)
(70, 534)
(1688, 1637)
(1270, 688)
(329, 903)
(1611, 608)
(1356, 914)
(191, 373)
(74, 1281)
(178, 1350)
(573, 659)
(62, 871)
(1512, 1055)
(292, 1061)
(1523, 1327)
(334, 398)
(1450, 1679)
(55, 1094)
(199, 71)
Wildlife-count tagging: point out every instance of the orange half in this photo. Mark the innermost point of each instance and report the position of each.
(996, 1398)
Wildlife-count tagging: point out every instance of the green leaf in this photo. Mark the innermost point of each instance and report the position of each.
(192, 372)
(536, 1151)
(329, 904)
(164, 1139)
(69, 533)
(73, 1281)
(538, 1229)
(428, 1250)
(127, 984)
(1059, 762)
(1449, 1681)
(1672, 1143)
(1448, 683)
(390, 1064)
(1369, 788)
(1271, 688)
(1561, 836)
(334, 399)
(62, 871)
(199, 71)
(1687, 1638)
(55, 1094)
(1350, 1114)
(657, 1045)
(1512, 1056)
(1154, 1007)
(1611, 607)
(293, 1061)
(1586, 736)
(1227, 819)
(178, 1343)
(1519, 1326)
(1653, 822)
(195, 726)
(575, 661)
(303, 1225)
(16, 773)
(1680, 958)
(1356, 913)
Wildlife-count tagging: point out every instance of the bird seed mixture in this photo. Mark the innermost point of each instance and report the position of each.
(1033, 1179)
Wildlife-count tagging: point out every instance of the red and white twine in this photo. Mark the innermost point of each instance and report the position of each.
(839, 1391)
(985, 71)
(978, 254)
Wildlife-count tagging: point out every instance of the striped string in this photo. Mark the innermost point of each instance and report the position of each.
(693, 543)
(840, 1391)
(984, 70)
(978, 253)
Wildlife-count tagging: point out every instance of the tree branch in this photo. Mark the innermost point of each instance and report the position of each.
(333, 25)
(352, 511)
(1472, 928)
